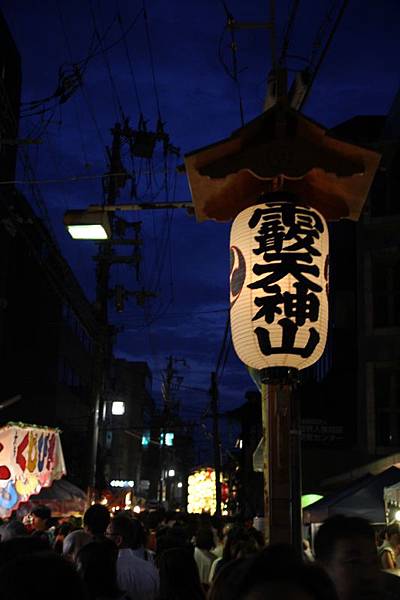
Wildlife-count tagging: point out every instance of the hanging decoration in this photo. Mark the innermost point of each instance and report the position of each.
(31, 457)
(279, 285)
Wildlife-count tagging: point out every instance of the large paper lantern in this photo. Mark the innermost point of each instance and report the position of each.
(279, 285)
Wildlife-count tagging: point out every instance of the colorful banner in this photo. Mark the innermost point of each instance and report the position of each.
(30, 458)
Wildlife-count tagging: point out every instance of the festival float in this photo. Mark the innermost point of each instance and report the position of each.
(201, 492)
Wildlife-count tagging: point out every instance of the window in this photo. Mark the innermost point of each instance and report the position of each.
(75, 325)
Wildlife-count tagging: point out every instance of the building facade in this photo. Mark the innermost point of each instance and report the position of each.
(47, 326)
(130, 384)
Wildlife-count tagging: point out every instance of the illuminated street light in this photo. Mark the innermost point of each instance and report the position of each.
(118, 408)
(171, 473)
(88, 224)
(93, 223)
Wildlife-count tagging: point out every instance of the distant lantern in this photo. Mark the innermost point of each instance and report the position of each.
(279, 285)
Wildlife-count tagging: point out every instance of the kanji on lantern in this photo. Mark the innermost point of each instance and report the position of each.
(279, 312)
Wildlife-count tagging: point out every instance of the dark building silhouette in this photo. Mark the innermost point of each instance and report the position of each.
(130, 383)
(47, 326)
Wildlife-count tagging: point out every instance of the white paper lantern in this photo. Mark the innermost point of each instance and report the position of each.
(279, 285)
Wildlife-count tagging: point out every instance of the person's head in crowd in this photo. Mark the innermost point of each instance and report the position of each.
(121, 531)
(170, 518)
(179, 576)
(60, 533)
(380, 536)
(345, 547)
(205, 538)
(139, 535)
(11, 530)
(238, 543)
(40, 517)
(96, 520)
(172, 537)
(73, 542)
(274, 573)
(42, 575)
(21, 546)
(96, 563)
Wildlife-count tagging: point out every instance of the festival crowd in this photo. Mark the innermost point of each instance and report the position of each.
(173, 556)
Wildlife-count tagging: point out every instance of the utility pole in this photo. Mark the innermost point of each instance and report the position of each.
(102, 343)
(170, 388)
(216, 442)
(105, 258)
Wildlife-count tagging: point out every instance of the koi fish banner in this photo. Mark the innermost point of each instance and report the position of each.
(30, 458)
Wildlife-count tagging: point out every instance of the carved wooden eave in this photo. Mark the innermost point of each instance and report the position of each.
(281, 150)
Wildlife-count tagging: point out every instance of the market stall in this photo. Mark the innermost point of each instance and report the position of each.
(362, 498)
(31, 458)
(63, 498)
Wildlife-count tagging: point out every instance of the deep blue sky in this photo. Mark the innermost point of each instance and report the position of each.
(199, 105)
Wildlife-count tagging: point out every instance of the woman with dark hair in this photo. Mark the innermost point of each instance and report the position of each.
(96, 563)
(390, 549)
(179, 577)
(240, 542)
(203, 556)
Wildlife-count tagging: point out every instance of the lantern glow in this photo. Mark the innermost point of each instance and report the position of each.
(201, 492)
(279, 285)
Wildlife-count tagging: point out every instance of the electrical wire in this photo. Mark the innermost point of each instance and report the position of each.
(273, 33)
(150, 50)
(233, 45)
(118, 106)
(288, 31)
(130, 64)
(317, 67)
(223, 345)
(72, 179)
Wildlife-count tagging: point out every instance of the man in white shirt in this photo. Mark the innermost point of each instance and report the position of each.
(137, 577)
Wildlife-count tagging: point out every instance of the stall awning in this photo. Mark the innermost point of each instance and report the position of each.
(362, 498)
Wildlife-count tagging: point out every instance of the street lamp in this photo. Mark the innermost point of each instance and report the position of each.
(88, 224)
(118, 408)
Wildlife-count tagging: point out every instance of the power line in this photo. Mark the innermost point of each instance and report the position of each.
(118, 106)
(71, 179)
(327, 45)
(82, 86)
(223, 345)
(130, 65)
(151, 58)
(272, 33)
(233, 45)
(288, 32)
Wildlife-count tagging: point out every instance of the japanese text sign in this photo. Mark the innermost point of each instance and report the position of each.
(279, 285)
(30, 458)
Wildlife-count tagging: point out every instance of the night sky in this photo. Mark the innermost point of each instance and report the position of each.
(186, 263)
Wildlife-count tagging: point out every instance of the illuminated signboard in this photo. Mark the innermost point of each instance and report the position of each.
(122, 483)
